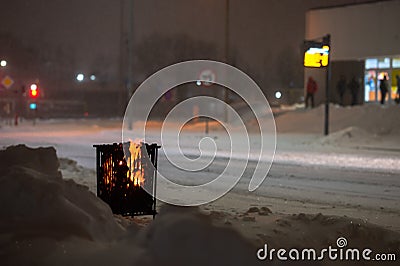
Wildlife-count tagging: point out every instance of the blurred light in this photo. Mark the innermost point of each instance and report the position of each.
(80, 77)
(3, 63)
(325, 48)
(34, 91)
(316, 56)
(198, 83)
(278, 94)
(33, 87)
(92, 77)
(32, 106)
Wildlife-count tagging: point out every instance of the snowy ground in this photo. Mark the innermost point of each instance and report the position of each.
(354, 172)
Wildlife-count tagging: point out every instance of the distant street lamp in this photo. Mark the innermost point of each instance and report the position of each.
(92, 77)
(3, 63)
(80, 77)
(33, 87)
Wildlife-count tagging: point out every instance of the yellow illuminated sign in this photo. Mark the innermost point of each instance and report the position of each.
(316, 57)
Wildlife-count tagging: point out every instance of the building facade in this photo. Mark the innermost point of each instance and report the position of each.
(365, 44)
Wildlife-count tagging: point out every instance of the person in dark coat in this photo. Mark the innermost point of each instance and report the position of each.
(354, 88)
(341, 87)
(311, 90)
(384, 89)
(398, 88)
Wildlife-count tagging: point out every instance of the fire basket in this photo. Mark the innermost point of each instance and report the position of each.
(122, 181)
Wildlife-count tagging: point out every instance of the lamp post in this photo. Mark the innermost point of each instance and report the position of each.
(130, 49)
(227, 35)
(327, 41)
(317, 55)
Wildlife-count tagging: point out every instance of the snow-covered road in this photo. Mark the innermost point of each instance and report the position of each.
(304, 173)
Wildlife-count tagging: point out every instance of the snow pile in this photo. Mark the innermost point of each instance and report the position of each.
(70, 169)
(178, 236)
(42, 160)
(374, 119)
(70, 165)
(300, 121)
(47, 220)
(184, 236)
(347, 136)
(36, 201)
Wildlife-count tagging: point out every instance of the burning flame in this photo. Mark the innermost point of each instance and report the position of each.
(136, 172)
(108, 173)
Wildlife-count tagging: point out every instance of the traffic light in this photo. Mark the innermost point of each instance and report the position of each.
(34, 91)
(33, 106)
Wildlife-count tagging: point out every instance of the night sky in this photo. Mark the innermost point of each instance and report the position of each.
(90, 36)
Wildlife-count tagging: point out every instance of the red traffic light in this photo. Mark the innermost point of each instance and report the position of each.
(34, 91)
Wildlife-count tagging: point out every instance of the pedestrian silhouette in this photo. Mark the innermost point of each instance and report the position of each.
(341, 87)
(398, 89)
(383, 88)
(354, 88)
(312, 87)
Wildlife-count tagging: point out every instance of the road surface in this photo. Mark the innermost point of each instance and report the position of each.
(291, 186)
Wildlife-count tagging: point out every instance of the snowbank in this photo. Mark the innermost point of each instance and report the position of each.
(184, 236)
(47, 220)
(374, 119)
(35, 201)
(347, 136)
(42, 160)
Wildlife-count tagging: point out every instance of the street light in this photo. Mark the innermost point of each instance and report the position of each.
(80, 77)
(3, 63)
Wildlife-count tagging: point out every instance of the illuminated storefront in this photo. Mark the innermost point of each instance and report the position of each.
(375, 70)
(361, 48)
